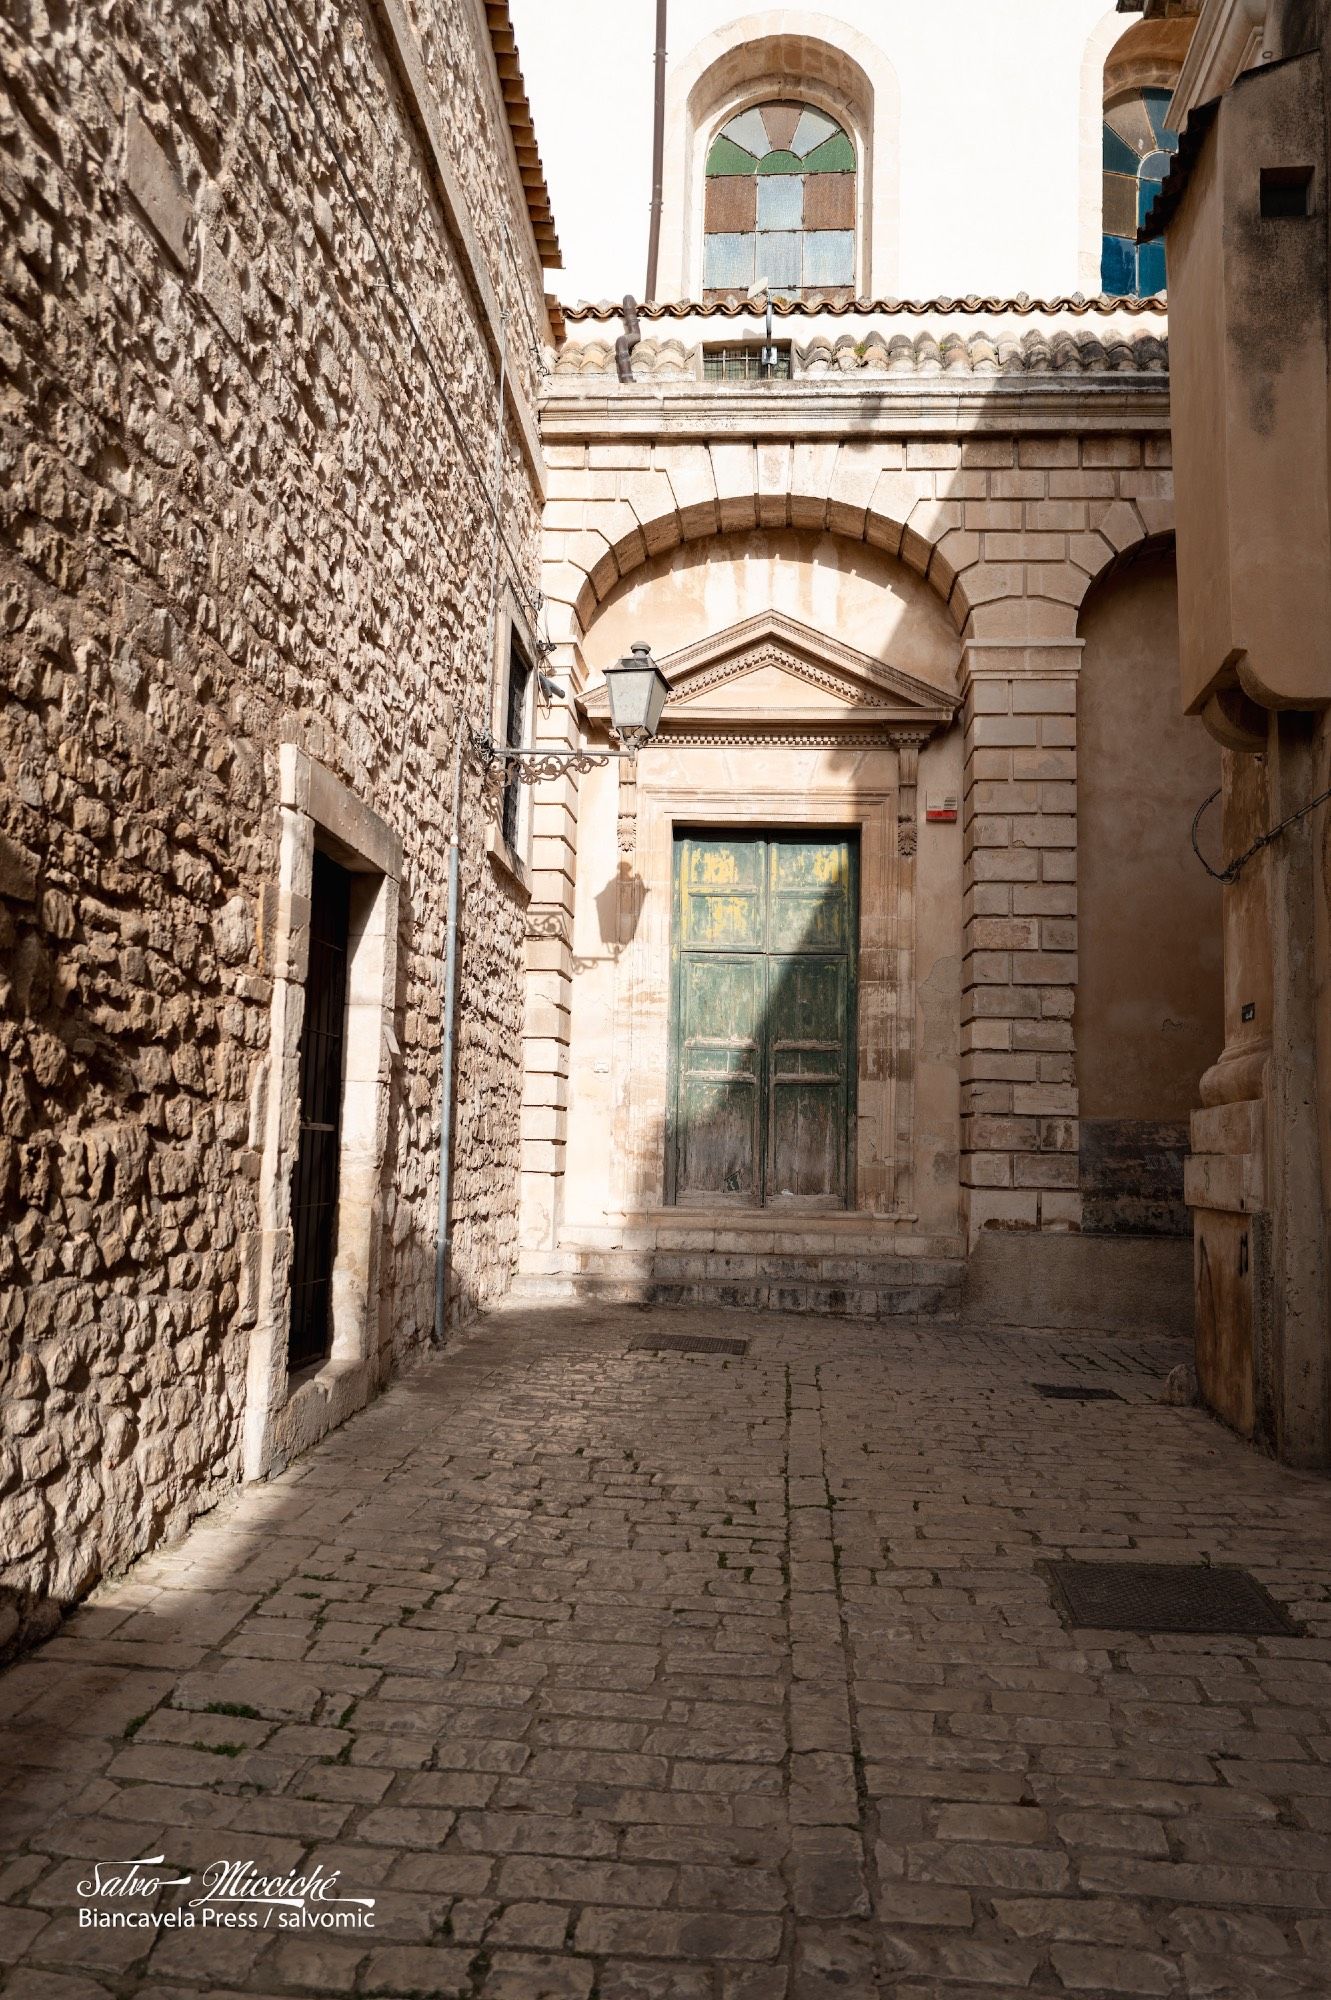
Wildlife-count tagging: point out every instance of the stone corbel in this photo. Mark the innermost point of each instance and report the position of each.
(626, 824)
(907, 747)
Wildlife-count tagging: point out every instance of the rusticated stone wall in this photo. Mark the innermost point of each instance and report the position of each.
(235, 510)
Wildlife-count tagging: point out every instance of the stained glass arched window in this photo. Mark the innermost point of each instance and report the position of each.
(1137, 147)
(780, 204)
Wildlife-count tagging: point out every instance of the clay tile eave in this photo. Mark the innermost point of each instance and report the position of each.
(503, 42)
(1077, 304)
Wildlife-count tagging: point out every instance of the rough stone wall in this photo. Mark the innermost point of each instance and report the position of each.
(234, 509)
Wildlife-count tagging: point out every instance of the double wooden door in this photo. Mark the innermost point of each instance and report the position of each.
(762, 1084)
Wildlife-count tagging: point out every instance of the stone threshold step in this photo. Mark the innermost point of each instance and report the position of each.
(669, 1266)
(828, 1301)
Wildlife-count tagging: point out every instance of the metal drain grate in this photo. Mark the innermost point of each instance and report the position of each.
(1076, 1392)
(1165, 1597)
(685, 1343)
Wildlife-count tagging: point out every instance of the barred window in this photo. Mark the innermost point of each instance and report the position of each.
(745, 364)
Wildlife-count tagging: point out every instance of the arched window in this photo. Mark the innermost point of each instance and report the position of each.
(780, 204)
(1137, 146)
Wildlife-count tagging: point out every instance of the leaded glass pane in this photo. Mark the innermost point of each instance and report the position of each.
(749, 132)
(781, 202)
(779, 259)
(834, 156)
(829, 201)
(829, 257)
(781, 120)
(1130, 121)
(1120, 217)
(730, 159)
(812, 129)
(731, 205)
(1118, 268)
(1119, 157)
(1157, 105)
(727, 262)
(1151, 269)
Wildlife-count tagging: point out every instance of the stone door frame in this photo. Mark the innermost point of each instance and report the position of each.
(885, 1028)
(317, 809)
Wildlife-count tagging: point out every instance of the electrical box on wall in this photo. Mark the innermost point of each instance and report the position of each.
(940, 807)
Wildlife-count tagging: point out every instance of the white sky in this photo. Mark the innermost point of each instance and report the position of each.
(989, 140)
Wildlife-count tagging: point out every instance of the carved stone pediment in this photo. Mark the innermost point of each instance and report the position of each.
(771, 676)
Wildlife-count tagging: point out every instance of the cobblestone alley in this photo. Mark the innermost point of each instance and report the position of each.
(616, 1673)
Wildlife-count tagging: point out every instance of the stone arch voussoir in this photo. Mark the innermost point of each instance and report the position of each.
(834, 488)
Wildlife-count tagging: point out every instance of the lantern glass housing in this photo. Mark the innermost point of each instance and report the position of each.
(638, 691)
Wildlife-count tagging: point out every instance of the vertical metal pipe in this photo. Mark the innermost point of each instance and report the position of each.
(658, 154)
(443, 1246)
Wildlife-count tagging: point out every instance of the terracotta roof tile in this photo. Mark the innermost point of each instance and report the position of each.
(504, 44)
(950, 353)
(1076, 303)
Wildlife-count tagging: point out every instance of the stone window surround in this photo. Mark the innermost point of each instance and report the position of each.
(512, 627)
(283, 1416)
(774, 54)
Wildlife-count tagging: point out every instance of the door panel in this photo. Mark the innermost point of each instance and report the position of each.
(763, 1039)
(806, 1068)
(721, 1014)
(721, 894)
(318, 1157)
(809, 895)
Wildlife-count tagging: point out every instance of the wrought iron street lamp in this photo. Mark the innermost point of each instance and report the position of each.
(637, 689)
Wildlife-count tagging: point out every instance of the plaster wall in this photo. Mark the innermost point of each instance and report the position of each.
(835, 585)
(1148, 1020)
(997, 154)
(1251, 408)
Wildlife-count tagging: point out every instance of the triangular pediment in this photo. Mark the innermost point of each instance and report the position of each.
(772, 674)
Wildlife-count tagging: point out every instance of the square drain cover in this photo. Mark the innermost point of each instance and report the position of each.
(1076, 1392)
(1165, 1597)
(685, 1343)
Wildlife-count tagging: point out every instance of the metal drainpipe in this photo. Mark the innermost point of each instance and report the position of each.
(443, 1248)
(658, 153)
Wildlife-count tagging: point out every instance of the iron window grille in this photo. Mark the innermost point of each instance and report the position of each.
(745, 364)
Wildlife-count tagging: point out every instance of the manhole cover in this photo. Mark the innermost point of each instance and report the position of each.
(684, 1343)
(1076, 1392)
(1165, 1597)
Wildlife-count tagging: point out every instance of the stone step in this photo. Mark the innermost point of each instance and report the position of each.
(871, 1287)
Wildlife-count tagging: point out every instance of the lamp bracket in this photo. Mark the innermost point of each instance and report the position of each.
(530, 766)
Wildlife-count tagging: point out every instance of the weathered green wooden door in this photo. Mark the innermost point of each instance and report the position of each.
(763, 1029)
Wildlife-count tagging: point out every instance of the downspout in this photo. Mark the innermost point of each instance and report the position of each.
(658, 154)
(443, 1248)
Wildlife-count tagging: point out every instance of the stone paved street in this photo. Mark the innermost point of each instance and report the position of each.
(618, 1674)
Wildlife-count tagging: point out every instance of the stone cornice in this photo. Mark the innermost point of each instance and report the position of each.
(1222, 46)
(690, 412)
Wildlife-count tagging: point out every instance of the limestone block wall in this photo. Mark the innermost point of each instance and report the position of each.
(238, 508)
(1009, 500)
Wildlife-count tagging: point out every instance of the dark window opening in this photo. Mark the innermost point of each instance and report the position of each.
(745, 364)
(1286, 191)
(515, 719)
(315, 1176)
